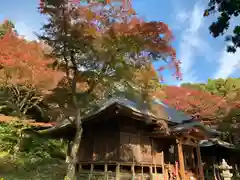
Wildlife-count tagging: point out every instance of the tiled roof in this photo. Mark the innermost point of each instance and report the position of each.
(10, 119)
(181, 122)
(165, 112)
(215, 141)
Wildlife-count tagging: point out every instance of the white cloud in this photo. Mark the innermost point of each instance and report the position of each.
(238, 64)
(25, 30)
(191, 42)
(228, 64)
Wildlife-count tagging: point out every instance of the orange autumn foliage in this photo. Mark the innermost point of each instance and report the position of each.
(23, 62)
(111, 33)
(209, 108)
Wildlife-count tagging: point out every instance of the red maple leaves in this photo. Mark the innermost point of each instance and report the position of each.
(116, 30)
(23, 62)
(202, 105)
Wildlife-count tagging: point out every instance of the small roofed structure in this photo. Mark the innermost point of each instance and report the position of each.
(123, 141)
(214, 150)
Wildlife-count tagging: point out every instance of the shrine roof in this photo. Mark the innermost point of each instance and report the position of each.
(177, 121)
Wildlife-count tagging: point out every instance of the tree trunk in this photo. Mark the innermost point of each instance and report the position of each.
(72, 170)
(73, 160)
(18, 146)
(68, 154)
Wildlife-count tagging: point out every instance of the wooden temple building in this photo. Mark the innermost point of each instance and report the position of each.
(122, 141)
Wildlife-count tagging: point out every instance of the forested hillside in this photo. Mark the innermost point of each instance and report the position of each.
(215, 103)
(229, 88)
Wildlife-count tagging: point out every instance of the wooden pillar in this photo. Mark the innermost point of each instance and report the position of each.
(163, 167)
(106, 171)
(118, 172)
(181, 159)
(199, 160)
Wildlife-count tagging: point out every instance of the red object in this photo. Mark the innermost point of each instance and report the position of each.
(200, 105)
(24, 63)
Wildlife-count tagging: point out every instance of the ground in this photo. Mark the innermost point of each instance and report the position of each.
(51, 169)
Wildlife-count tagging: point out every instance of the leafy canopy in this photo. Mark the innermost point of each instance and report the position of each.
(220, 104)
(228, 88)
(5, 26)
(227, 10)
(196, 103)
(23, 62)
(105, 45)
(24, 74)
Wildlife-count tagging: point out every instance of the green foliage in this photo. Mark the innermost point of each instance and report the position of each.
(24, 156)
(52, 169)
(12, 135)
(200, 86)
(224, 87)
(229, 88)
(227, 9)
(8, 138)
(4, 27)
(13, 140)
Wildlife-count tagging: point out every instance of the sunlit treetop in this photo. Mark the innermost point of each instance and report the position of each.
(23, 62)
(201, 105)
(109, 29)
(6, 26)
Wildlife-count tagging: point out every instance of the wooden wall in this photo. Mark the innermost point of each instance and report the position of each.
(140, 149)
(136, 146)
(123, 141)
(99, 143)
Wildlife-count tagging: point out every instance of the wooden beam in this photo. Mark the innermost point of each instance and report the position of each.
(181, 159)
(199, 160)
(189, 144)
(189, 140)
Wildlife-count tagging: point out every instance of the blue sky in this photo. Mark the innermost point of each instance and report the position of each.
(201, 55)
